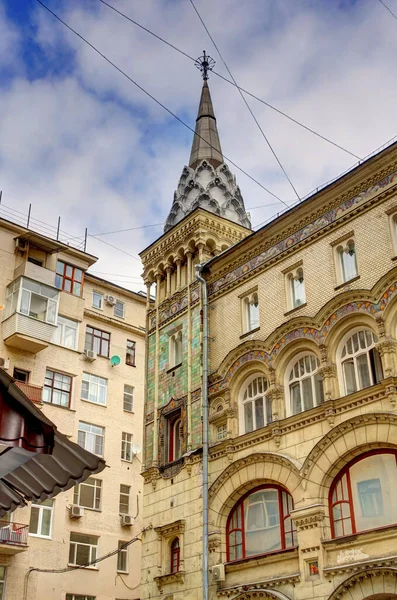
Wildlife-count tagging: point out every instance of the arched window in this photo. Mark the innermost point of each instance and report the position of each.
(363, 494)
(260, 523)
(175, 349)
(175, 555)
(361, 364)
(297, 288)
(175, 438)
(305, 384)
(256, 406)
(250, 312)
(348, 262)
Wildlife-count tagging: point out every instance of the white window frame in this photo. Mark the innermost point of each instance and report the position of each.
(393, 228)
(250, 320)
(128, 397)
(78, 597)
(291, 277)
(221, 432)
(124, 553)
(123, 311)
(340, 360)
(99, 295)
(345, 247)
(91, 547)
(175, 345)
(16, 292)
(41, 508)
(243, 403)
(63, 323)
(90, 437)
(126, 446)
(125, 494)
(4, 582)
(309, 375)
(97, 493)
(94, 383)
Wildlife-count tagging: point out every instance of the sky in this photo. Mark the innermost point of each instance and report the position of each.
(80, 142)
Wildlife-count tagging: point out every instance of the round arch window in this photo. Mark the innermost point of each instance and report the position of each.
(261, 523)
(256, 406)
(363, 495)
(305, 384)
(360, 361)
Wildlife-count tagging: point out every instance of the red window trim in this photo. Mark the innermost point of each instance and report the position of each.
(283, 517)
(345, 471)
(171, 439)
(52, 387)
(72, 278)
(175, 555)
(94, 334)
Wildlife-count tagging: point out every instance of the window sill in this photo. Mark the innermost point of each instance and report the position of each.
(174, 368)
(130, 364)
(41, 537)
(123, 572)
(85, 568)
(161, 580)
(58, 406)
(346, 540)
(125, 460)
(296, 308)
(262, 559)
(94, 403)
(130, 412)
(345, 283)
(65, 347)
(247, 333)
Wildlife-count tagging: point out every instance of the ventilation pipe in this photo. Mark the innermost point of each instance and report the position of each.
(204, 293)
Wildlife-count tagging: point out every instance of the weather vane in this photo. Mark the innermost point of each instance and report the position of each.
(205, 63)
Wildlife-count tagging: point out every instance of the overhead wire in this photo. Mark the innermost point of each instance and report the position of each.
(154, 99)
(388, 8)
(284, 114)
(246, 103)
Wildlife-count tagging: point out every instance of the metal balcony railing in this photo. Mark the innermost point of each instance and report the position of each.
(33, 392)
(13, 534)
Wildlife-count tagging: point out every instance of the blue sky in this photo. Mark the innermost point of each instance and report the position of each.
(81, 142)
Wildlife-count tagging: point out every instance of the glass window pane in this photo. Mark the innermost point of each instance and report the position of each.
(296, 403)
(364, 377)
(259, 416)
(350, 377)
(248, 417)
(46, 522)
(25, 302)
(307, 392)
(34, 520)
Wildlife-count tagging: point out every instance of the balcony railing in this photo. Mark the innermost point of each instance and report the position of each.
(33, 392)
(13, 537)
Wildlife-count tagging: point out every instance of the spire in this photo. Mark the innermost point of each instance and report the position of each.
(206, 144)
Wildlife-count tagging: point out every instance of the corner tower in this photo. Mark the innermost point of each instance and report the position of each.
(207, 217)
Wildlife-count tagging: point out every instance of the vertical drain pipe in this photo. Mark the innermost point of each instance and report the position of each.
(203, 282)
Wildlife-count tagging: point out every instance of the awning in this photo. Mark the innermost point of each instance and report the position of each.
(36, 460)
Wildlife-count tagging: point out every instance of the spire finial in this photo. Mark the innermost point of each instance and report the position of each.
(205, 63)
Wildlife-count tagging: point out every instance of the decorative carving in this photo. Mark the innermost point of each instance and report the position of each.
(309, 517)
(162, 580)
(351, 555)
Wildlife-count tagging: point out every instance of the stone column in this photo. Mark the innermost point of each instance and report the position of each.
(168, 270)
(387, 350)
(189, 255)
(148, 287)
(158, 283)
(178, 272)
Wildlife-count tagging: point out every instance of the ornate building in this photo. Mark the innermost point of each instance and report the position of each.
(302, 389)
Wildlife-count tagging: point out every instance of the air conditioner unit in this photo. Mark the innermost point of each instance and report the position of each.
(21, 244)
(4, 363)
(90, 355)
(218, 573)
(126, 520)
(75, 512)
(110, 300)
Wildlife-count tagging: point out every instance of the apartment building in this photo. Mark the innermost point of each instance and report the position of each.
(75, 345)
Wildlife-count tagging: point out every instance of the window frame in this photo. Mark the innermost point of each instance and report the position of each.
(122, 552)
(282, 518)
(22, 372)
(175, 555)
(175, 349)
(345, 471)
(341, 247)
(267, 405)
(61, 330)
(86, 379)
(91, 546)
(41, 509)
(130, 351)
(3, 582)
(100, 295)
(114, 309)
(131, 394)
(59, 389)
(250, 322)
(97, 493)
(78, 597)
(128, 495)
(125, 445)
(312, 375)
(63, 278)
(92, 334)
(291, 277)
(93, 435)
(174, 423)
(15, 299)
(340, 361)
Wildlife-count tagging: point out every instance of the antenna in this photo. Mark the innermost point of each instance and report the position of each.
(204, 64)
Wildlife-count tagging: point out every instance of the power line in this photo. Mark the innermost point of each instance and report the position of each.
(245, 101)
(130, 229)
(111, 245)
(155, 99)
(389, 9)
(319, 135)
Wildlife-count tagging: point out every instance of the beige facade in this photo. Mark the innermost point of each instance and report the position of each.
(45, 343)
(302, 392)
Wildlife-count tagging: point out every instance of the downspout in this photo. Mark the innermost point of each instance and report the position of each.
(204, 293)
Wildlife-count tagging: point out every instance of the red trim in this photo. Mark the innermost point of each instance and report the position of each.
(175, 556)
(71, 278)
(338, 478)
(172, 421)
(92, 334)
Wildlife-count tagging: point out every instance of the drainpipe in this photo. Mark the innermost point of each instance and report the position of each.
(203, 282)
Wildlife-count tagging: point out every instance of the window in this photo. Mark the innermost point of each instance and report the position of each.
(130, 353)
(250, 312)
(88, 494)
(57, 388)
(91, 438)
(124, 505)
(128, 402)
(363, 494)
(221, 432)
(119, 309)
(97, 300)
(261, 523)
(3, 572)
(296, 288)
(41, 515)
(175, 445)
(360, 361)
(347, 261)
(68, 278)
(35, 261)
(175, 555)
(33, 299)
(97, 340)
(122, 558)
(94, 389)
(66, 333)
(126, 446)
(305, 384)
(175, 349)
(21, 375)
(83, 549)
(78, 597)
(256, 407)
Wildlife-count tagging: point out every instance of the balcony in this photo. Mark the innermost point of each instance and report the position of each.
(13, 537)
(27, 333)
(32, 271)
(33, 392)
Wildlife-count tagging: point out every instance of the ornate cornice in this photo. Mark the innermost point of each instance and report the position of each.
(171, 529)
(259, 589)
(162, 580)
(362, 572)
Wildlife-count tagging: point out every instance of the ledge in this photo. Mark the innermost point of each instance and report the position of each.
(345, 283)
(247, 333)
(178, 577)
(295, 309)
(262, 560)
